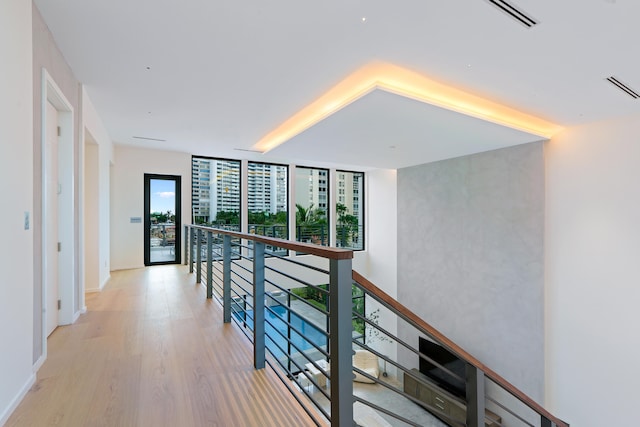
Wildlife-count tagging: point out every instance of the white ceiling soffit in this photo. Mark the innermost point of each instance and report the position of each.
(384, 130)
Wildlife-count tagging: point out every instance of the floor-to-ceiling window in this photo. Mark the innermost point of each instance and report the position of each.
(350, 210)
(215, 192)
(267, 205)
(312, 201)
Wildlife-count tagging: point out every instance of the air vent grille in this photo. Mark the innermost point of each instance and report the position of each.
(623, 87)
(149, 139)
(514, 12)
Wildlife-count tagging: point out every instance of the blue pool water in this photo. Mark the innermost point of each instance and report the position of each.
(309, 332)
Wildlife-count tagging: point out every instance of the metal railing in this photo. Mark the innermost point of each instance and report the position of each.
(307, 319)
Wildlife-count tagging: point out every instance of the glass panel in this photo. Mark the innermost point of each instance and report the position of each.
(162, 240)
(312, 196)
(215, 192)
(267, 204)
(350, 210)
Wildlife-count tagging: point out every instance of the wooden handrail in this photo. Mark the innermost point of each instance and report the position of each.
(429, 330)
(307, 248)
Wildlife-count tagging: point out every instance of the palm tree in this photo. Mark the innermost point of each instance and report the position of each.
(303, 215)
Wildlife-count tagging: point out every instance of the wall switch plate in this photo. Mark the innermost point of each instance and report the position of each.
(26, 221)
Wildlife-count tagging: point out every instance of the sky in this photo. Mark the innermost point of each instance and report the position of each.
(162, 195)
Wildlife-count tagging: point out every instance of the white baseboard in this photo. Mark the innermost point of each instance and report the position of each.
(4, 417)
(104, 282)
(39, 363)
(98, 289)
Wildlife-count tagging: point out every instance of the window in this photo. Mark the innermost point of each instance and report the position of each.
(350, 210)
(268, 195)
(215, 192)
(311, 206)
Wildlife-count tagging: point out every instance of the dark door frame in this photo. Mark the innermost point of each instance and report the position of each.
(147, 217)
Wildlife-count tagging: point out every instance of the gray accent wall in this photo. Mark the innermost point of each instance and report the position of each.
(470, 257)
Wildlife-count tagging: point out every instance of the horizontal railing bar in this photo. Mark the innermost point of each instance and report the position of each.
(243, 329)
(238, 285)
(317, 347)
(316, 287)
(403, 312)
(397, 339)
(321, 251)
(305, 373)
(302, 264)
(491, 399)
(400, 392)
(242, 267)
(304, 301)
(295, 395)
(295, 279)
(296, 330)
(297, 365)
(244, 279)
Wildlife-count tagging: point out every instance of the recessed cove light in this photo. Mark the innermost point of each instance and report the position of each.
(410, 84)
(364, 19)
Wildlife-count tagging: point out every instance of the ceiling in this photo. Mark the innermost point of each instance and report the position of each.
(213, 77)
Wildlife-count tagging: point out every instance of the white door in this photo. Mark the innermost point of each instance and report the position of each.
(51, 218)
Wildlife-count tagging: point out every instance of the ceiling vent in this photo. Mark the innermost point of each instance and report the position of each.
(248, 150)
(149, 139)
(623, 87)
(514, 12)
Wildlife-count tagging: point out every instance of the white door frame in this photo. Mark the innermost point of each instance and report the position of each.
(66, 212)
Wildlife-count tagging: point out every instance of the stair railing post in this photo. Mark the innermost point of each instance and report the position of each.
(475, 396)
(192, 232)
(546, 422)
(226, 278)
(198, 255)
(209, 264)
(258, 306)
(340, 347)
(186, 244)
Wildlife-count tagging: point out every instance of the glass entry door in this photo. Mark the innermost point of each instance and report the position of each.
(162, 219)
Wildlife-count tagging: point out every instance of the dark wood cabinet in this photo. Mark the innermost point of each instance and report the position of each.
(435, 400)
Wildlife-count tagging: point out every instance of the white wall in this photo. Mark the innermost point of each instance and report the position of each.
(16, 178)
(379, 262)
(46, 55)
(127, 198)
(593, 273)
(93, 124)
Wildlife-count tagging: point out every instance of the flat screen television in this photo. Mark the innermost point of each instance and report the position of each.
(444, 357)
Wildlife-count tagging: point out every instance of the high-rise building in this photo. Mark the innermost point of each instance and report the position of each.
(267, 187)
(312, 188)
(349, 191)
(215, 188)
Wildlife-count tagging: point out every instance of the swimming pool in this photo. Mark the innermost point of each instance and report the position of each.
(277, 321)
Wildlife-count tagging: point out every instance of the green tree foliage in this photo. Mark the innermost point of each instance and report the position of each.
(227, 217)
(266, 218)
(309, 216)
(347, 225)
(162, 217)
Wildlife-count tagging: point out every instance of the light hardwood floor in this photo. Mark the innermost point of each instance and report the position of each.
(152, 351)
